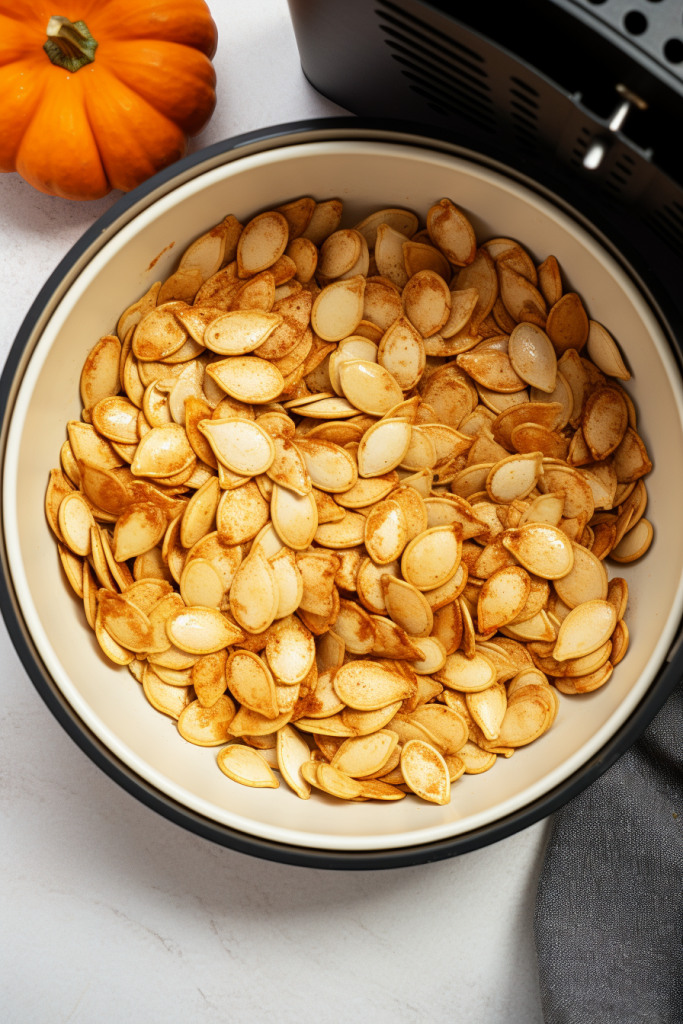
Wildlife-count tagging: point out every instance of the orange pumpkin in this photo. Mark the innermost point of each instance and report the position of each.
(105, 93)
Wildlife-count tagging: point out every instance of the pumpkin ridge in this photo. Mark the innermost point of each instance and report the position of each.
(30, 76)
(178, 81)
(73, 169)
(17, 41)
(187, 22)
(130, 133)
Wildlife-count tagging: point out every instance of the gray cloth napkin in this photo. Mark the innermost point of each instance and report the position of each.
(609, 907)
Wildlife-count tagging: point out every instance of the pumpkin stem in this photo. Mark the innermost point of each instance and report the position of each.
(69, 43)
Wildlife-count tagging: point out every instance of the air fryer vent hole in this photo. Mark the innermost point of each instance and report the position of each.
(450, 44)
(430, 72)
(654, 27)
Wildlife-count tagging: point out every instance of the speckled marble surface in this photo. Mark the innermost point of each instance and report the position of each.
(112, 914)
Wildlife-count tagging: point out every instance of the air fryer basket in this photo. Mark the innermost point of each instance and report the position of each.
(83, 252)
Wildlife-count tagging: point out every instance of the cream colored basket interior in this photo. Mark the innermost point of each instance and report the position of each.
(366, 176)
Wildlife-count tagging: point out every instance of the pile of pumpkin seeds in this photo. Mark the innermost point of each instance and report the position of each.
(341, 499)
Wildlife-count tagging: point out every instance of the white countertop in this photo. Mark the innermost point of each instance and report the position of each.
(111, 914)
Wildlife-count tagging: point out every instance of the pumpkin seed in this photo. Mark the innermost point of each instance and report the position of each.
(468, 675)
(201, 584)
(450, 230)
(116, 418)
(368, 386)
(383, 447)
(586, 581)
(207, 676)
(290, 650)
(100, 374)
(433, 655)
(488, 708)
(425, 772)
(381, 304)
(89, 447)
(330, 467)
(578, 500)
(587, 627)
(254, 596)
(250, 682)
(400, 220)
(207, 727)
(520, 298)
(481, 276)
(305, 258)
(247, 766)
(448, 395)
(631, 460)
(325, 702)
(239, 444)
(525, 721)
(73, 568)
(561, 394)
(567, 325)
(339, 253)
(447, 727)
(402, 353)
(514, 477)
(369, 686)
(139, 528)
(169, 700)
(262, 243)
(633, 544)
(390, 641)
(433, 557)
(491, 369)
(418, 255)
(75, 522)
(514, 255)
(421, 453)
(604, 352)
(240, 331)
(248, 378)
(542, 549)
(386, 532)
(200, 630)
(299, 213)
(322, 221)
(533, 357)
(292, 753)
(163, 452)
(389, 254)
(365, 755)
(295, 517)
(408, 608)
(427, 302)
(369, 584)
(550, 281)
(350, 349)
(338, 309)
(502, 598)
(604, 422)
(449, 591)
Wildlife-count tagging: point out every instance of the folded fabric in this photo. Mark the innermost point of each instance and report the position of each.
(609, 907)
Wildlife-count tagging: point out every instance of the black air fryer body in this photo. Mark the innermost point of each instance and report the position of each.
(582, 96)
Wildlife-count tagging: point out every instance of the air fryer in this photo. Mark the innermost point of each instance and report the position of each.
(582, 96)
